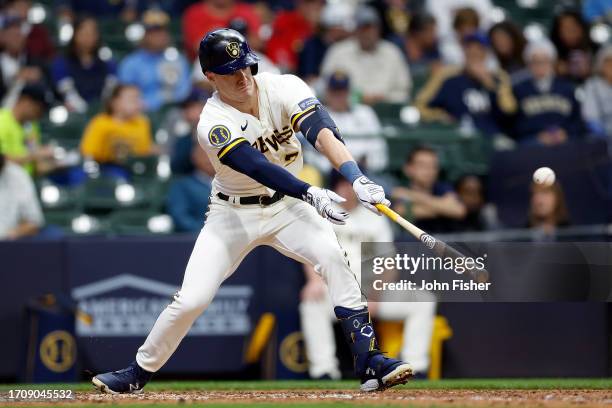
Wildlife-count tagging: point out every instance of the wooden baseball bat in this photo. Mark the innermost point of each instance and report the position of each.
(437, 246)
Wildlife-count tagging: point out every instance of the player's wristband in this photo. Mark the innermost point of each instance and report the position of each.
(350, 171)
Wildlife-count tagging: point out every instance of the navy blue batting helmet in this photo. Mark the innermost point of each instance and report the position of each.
(224, 51)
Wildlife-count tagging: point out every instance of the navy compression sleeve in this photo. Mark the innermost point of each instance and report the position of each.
(248, 161)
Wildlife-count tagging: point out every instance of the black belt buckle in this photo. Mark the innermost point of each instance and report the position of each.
(262, 200)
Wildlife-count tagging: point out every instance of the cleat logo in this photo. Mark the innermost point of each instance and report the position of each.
(356, 323)
(370, 371)
(134, 387)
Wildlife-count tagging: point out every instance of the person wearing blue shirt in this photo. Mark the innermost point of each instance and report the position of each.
(81, 76)
(430, 203)
(548, 112)
(161, 73)
(474, 93)
(187, 200)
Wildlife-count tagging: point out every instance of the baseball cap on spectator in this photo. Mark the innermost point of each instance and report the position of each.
(338, 14)
(240, 25)
(543, 46)
(338, 81)
(366, 16)
(476, 37)
(39, 94)
(155, 19)
(196, 95)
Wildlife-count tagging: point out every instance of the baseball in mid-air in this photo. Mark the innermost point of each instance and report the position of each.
(544, 176)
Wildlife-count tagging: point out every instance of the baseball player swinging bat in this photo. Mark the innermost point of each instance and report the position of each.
(437, 246)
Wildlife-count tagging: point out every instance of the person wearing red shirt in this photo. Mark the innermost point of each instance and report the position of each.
(207, 15)
(289, 31)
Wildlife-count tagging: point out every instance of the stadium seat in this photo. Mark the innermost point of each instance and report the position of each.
(54, 198)
(75, 222)
(136, 222)
(107, 194)
(388, 111)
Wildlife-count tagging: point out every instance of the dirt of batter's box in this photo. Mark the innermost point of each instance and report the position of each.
(540, 398)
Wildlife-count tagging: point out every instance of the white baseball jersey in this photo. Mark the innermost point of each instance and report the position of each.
(283, 100)
(232, 230)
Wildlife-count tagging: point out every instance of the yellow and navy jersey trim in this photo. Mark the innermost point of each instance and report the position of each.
(231, 146)
(295, 118)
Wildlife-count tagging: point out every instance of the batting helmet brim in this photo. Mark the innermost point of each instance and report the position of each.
(248, 60)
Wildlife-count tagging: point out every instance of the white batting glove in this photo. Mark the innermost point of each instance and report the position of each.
(370, 193)
(322, 200)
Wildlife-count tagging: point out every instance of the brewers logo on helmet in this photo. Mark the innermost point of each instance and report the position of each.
(224, 51)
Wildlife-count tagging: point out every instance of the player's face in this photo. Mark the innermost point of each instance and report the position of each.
(236, 86)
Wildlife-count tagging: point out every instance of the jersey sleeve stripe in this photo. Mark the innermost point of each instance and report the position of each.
(231, 146)
(299, 115)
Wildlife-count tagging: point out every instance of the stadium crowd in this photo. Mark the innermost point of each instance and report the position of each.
(81, 117)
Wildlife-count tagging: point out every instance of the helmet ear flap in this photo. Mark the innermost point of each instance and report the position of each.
(254, 69)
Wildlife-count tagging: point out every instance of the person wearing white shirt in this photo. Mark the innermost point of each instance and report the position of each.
(358, 123)
(20, 213)
(375, 66)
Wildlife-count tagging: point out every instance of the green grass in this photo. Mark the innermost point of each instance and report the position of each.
(177, 386)
(475, 384)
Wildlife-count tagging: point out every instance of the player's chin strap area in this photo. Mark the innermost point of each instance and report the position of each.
(262, 200)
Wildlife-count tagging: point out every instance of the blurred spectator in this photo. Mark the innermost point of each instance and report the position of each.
(465, 21)
(480, 215)
(356, 120)
(69, 9)
(188, 196)
(421, 45)
(19, 132)
(597, 11)
(548, 112)
(207, 15)
(289, 31)
(508, 43)
(395, 16)
(17, 66)
(20, 213)
(180, 126)
(447, 11)
(264, 64)
(366, 54)
(430, 203)
(353, 119)
(80, 76)
(475, 96)
(39, 43)
(597, 101)
(126, 10)
(570, 34)
(120, 132)
(335, 25)
(161, 73)
(547, 210)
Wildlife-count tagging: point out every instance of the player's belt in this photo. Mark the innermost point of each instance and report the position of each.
(263, 200)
